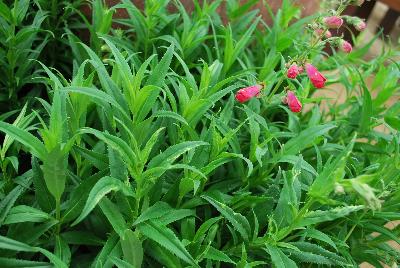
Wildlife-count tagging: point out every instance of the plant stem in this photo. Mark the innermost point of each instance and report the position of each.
(54, 11)
(58, 215)
(299, 216)
(353, 228)
(273, 91)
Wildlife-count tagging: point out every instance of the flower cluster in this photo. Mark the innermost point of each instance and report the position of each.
(358, 23)
(321, 29)
(335, 22)
(317, 79)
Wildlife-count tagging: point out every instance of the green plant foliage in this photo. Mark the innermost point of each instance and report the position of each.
(131, 148)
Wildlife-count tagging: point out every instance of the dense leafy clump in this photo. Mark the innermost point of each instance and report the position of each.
(124, 145)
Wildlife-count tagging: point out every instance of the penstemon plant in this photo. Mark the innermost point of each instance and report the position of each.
(184, 141)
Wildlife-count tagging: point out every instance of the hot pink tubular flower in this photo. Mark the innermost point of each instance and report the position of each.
(293, 71)
(316, 78)
(333, 22)
(345, 46)
(247, 93)
(360, 25)
(293, 102)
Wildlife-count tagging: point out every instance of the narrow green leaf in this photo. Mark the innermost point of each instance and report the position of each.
(121, 263)
(157, 75)
(100, 189)
(279, 259)
(79, 196)
(217, 255)
(99, 97)
(173, 152)
(62, 249)
(156, 211)
(383, 231)
(324, 183)
(121, 64)
(44, 198)
(329, 258)
(132, 248)
(18, 263)
(53, 258)
(106, 250)
(115, 142)
(366, 111)
(145, 153)
(170, 114)
(8, 243)
(27, 139)
(176, 215)
(8, 202)
(293, 159)
(318, 216)
(304, 139)
(24, 213)
(164, 236)
(286, 209)
(145, 101)
(238, 221)
(98, 160)
(82, 238)
(205, 227)
(55, 171)
(113, 215)
(318, 235)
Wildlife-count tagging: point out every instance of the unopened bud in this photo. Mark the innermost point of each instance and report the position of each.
(339, 189)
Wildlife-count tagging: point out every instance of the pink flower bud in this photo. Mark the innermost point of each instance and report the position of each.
(328, 34)
(292, 101)
(320, 31)
(247, 93)
(360, 25)
(345, 46)
(316, 78)
(333, 22)
(293, 71)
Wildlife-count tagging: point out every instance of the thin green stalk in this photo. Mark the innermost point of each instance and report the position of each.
(54, 10)
(58, 215)
(273, 91)
(137, 204)
(299, 216)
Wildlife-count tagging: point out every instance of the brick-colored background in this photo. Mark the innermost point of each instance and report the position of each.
(307, 7)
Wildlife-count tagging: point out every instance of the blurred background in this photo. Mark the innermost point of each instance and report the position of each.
(382, 17)
(380, 14)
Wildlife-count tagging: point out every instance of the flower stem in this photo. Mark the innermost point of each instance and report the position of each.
(58, 215)
(273, 91)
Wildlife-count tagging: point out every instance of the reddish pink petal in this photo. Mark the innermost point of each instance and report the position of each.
(316, 78)
(360, 26)
(293, 71)
(247, 93)
(293, 103)
(345, 46)
(333, 22)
